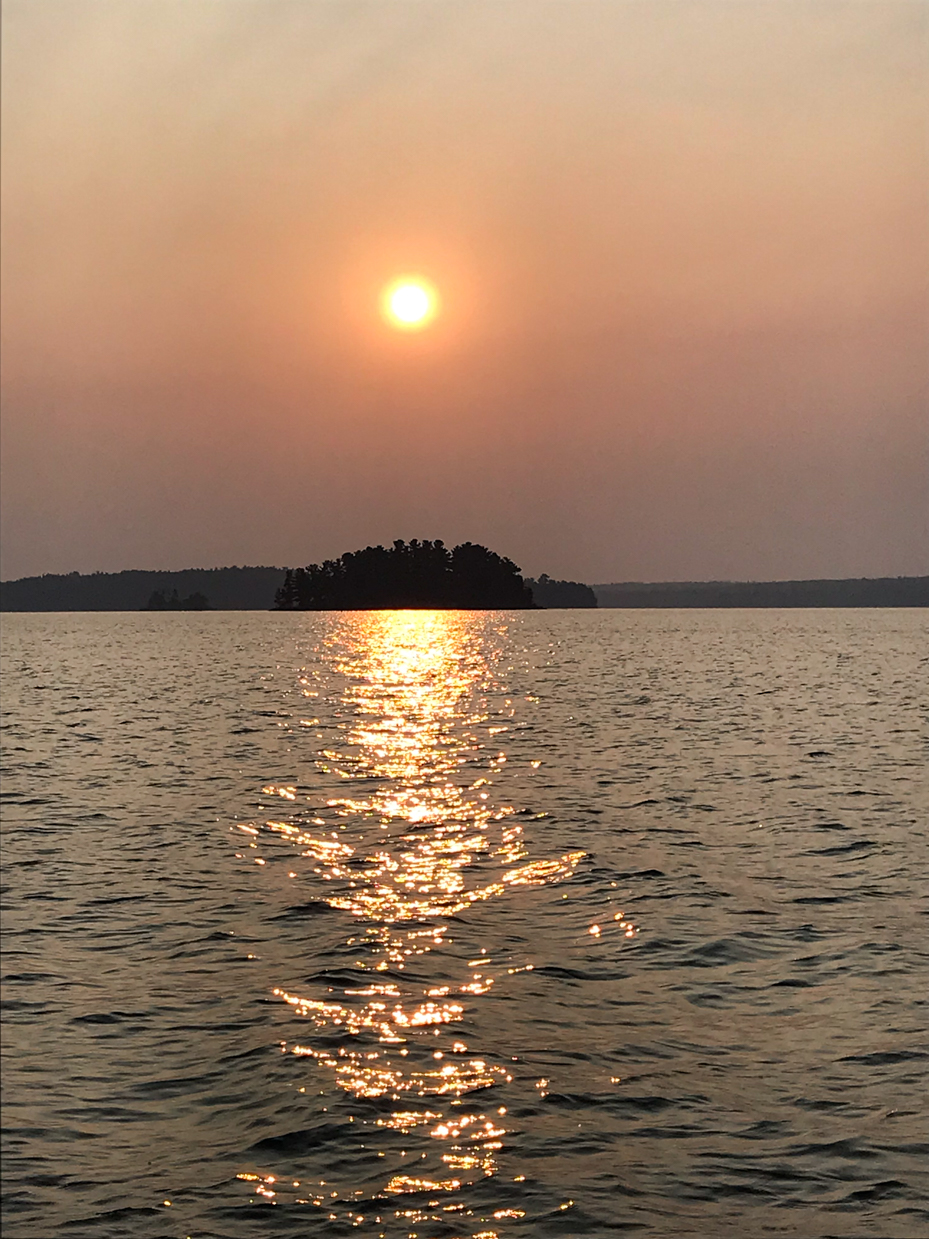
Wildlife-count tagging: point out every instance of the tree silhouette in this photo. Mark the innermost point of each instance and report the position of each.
(161, 600)
(549, 593)
(411, 574)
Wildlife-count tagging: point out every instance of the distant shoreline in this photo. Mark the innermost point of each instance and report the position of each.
(903, 591)
(253, 589)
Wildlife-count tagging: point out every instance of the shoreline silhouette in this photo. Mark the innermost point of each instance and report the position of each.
(253, 589)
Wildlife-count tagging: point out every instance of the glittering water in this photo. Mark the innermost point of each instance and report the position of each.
(466, 924)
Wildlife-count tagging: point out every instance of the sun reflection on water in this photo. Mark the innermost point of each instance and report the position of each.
(418, 836)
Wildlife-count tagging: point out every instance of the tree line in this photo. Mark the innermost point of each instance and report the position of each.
(228, 589)
(415, 574)
(547, 592)
(161, 600)
(912, 591)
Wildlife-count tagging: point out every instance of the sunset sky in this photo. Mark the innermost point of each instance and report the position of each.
(679, 254)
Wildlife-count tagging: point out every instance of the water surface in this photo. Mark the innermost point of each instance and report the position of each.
(466, 924)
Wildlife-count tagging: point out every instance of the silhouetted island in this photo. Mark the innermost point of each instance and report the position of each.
(407, 575)
(551, 594)
(161, 600)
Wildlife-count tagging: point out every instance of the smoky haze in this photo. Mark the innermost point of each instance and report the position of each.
(682, 252)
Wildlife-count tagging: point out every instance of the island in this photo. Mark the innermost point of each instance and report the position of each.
(407, 575)
(161, 600)
(549, 594)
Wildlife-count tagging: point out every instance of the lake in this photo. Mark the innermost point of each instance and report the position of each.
(460, 924)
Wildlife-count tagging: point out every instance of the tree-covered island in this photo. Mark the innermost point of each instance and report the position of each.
(161, 600)
(547, 592)
(424, 575)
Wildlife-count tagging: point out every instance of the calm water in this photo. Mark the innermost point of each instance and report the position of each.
(454, 925)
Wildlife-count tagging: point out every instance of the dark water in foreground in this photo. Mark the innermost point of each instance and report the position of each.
(459, 925)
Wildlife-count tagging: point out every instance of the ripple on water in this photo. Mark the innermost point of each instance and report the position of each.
(464, 924)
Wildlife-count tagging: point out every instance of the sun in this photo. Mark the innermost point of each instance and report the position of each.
(410, 303)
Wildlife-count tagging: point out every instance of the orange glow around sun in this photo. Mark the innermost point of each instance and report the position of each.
(410, 303)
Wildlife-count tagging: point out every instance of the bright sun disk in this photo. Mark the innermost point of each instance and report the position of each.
(409, 303)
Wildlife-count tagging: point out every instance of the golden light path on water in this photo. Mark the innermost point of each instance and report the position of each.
(421, 838)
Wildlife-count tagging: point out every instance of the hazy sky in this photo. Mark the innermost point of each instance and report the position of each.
(682, 250)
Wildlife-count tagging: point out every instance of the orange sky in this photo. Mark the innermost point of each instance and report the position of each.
(682, 251)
